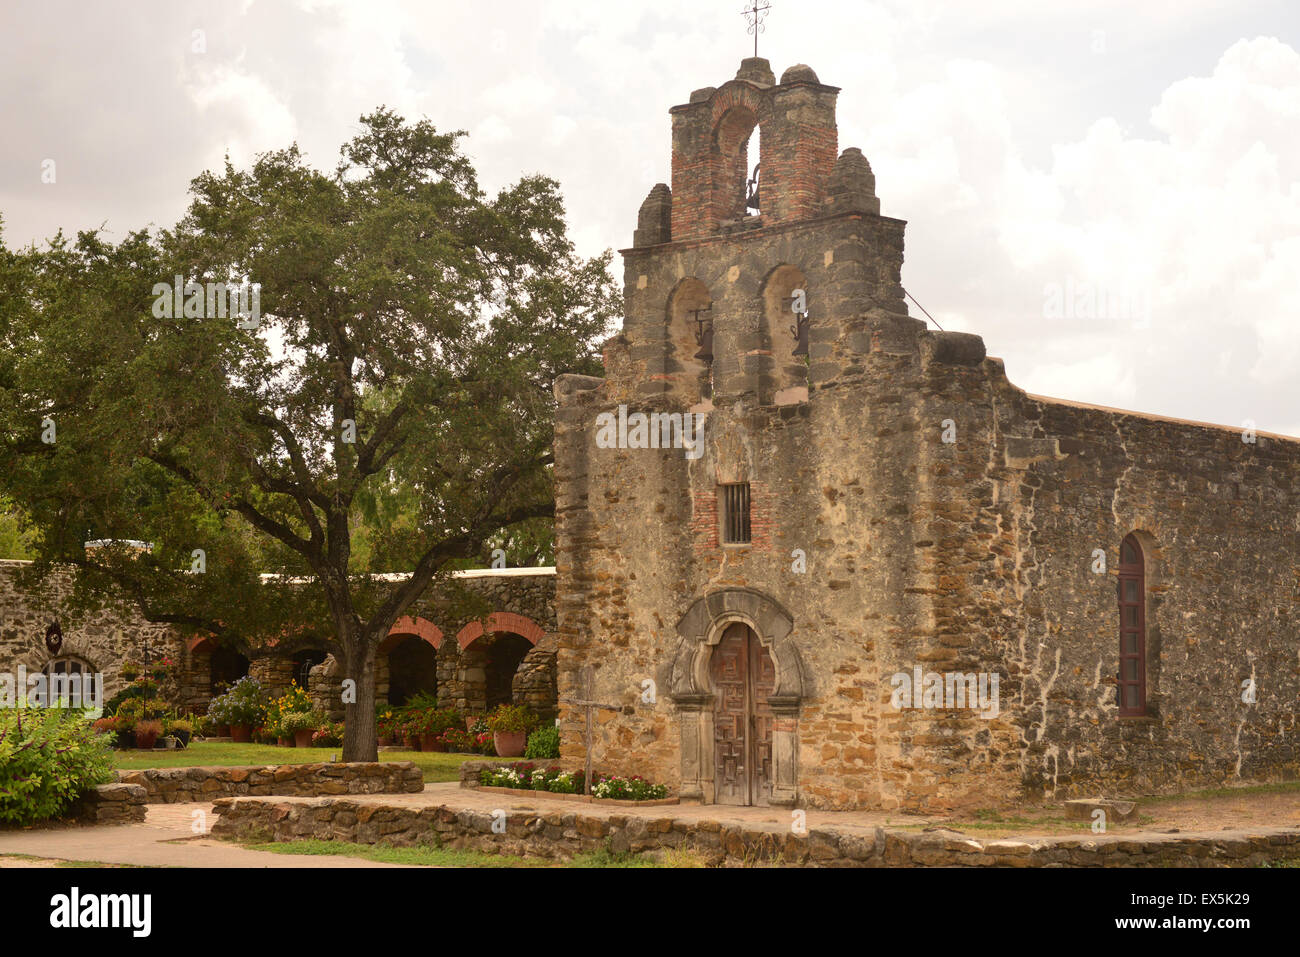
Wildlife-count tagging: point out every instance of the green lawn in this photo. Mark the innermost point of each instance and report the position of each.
(440, 857)
(436, 766)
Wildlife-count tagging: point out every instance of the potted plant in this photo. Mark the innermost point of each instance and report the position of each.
(182, 729)
(328, 735)
(146, 733)
(384, 722)
(510, 724)
(300, 725)
(243, 708)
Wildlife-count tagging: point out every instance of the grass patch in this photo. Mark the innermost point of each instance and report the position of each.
(436, 767)
(430, 856)
(1277, 787)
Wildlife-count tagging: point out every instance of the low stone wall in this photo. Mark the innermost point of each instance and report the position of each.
(181, 785)
(111, 804)
(565, 834)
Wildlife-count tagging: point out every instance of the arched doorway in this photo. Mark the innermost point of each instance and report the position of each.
(743, 678)
(412, 668)
(225, 666)
(504, 655)
(303, 662)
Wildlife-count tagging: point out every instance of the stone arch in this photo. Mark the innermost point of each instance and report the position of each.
(406, 662)
(406, 626)
(737, 111)
(688, 377)
(699, 631)
(500, 659)
(500, 621)
(790, 371)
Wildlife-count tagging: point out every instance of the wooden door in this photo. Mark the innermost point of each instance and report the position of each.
(743, 678)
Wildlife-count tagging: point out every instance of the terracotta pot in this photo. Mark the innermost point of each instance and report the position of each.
(469, 724)
(510, 744)
(284, 742)
(241, 733)
(302, 738)
(412, 742)
(221, 731)
(145, 740)
(430, 742)
(386, 741)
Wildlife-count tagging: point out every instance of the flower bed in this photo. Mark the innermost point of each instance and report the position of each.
(524, 778)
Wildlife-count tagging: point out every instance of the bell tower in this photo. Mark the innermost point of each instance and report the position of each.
(714, 281)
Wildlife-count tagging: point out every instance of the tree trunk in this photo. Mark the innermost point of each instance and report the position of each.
(359, 741)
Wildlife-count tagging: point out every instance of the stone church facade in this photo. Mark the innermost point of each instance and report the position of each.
(871, 503)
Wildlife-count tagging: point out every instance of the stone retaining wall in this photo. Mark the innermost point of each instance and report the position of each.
(180, 785)
(111, 804)
(565, 834)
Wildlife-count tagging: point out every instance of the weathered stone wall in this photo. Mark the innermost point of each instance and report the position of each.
(103, 640)
(564, 834)
(111, 804)
(186, 785)
(946, 520)
(517, 600)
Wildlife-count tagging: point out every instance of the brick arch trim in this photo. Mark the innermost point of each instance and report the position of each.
(421, 628)
(200, 643)
(501, 621)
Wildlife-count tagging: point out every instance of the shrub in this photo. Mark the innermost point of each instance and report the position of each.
(48, 757)
(459, 741)
(635, 788)
(434, 721)
(544, 743)
(512, 719)
(301, 721)
(246, 702)
(328, 735)
(109, 725)
(529, 778)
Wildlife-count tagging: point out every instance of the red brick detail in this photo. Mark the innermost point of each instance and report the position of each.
(407, 626)
(762, 518)
(501, 621)
(200, 643)
(704, 519)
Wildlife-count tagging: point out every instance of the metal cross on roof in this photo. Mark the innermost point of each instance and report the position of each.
(756, 15)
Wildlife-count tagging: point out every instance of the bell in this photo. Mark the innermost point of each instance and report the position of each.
(800, 331)
(751, 199)
(706, 345)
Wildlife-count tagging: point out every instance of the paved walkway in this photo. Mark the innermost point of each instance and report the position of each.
(774, 818)
(165, 839)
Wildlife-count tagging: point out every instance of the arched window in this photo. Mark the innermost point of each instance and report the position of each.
(72, 681)
(1132, 628)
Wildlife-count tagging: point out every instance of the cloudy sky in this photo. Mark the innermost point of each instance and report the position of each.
(1107, 191)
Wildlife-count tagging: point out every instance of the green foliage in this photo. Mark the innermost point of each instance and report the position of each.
(634, 788)
(512, 719)
(295, 721)
(17, 538)
(245, 703)
(544, 743)
(402, 298)
(47, 759)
